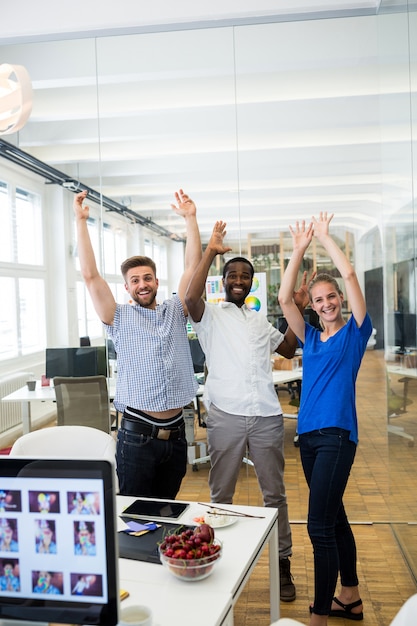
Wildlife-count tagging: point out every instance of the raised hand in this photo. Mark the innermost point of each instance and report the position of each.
(185, 206)
(321, 225)
(81, 211)
(301, 297)
(301, 235)
(216, 239)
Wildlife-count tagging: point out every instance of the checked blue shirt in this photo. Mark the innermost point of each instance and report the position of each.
(154, 367)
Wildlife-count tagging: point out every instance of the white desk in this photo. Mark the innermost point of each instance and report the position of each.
(41, 394)
(281, 377)
(208, 602)
(406, 372)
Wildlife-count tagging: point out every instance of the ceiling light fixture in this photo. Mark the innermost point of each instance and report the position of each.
(15, 98)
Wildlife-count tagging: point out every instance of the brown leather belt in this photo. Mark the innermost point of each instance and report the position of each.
(140, 428)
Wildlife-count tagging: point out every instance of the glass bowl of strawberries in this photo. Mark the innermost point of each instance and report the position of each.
(191, 554)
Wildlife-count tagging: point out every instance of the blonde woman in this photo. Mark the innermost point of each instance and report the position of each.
(327, 420)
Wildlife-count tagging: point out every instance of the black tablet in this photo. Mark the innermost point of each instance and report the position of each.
(58, 555)
(156, 510)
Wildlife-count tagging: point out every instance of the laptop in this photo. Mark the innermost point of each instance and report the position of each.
(58, 547)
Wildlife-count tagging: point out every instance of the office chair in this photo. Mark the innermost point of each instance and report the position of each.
(83, 400)
(72, 442)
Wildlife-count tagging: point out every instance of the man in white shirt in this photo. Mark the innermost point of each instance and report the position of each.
(242, 404)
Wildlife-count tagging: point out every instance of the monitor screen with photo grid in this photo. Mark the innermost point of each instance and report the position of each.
(58, 548)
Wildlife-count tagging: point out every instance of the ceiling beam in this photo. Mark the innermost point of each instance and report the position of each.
(53, 176)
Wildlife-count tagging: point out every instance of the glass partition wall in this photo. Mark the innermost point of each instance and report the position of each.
(263, 124)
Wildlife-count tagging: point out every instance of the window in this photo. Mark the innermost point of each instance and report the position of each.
(28, 222)
(89, 324)
(6, 230)
(113, 252)
(22, 273)
(8, 319)
(31, 299)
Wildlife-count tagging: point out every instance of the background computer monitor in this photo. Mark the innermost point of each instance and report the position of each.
(111, 351)
(48, 503)
(402, 331)
(81, 361)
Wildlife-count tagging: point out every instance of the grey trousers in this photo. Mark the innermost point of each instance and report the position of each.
(229, 437)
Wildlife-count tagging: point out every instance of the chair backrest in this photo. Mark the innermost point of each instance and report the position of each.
(72, 442)
(83, 400)
(67, 442)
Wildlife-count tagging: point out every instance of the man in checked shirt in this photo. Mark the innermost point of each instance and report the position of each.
(155, 377)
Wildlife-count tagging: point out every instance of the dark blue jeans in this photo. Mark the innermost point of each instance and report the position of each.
(150, 467)
(327, 456)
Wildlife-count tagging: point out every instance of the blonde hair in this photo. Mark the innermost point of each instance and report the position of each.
(324, 278)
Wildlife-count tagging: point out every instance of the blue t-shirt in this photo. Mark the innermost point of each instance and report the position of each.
(330, 369)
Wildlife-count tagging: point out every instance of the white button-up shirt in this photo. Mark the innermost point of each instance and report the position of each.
(238, 343)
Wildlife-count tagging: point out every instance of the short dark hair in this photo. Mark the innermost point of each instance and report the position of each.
(238, 259)
(137, 261)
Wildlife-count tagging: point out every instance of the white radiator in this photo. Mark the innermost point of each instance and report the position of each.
(11, 412)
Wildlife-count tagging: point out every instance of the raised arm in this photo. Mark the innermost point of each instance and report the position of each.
(193, 299)
(187, 209)
(353, 291)
(301, 299)
(301, 237)
(101, 295)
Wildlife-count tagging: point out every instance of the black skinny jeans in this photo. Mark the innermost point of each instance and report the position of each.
(327, 456)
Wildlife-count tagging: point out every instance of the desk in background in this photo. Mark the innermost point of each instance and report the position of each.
(41, 394)
(283, 377)
(407, 375)
(208, 602)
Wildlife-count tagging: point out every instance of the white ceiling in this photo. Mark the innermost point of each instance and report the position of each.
(262, 124)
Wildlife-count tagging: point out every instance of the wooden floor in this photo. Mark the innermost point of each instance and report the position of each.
(380, 501)
(381, 490)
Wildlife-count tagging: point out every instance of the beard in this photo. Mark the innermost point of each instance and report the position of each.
(145, 301)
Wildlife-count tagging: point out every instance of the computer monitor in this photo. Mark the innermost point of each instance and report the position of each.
(111, 351)
(58, 518)
(82, 361)
(402, 331)
(197, 355)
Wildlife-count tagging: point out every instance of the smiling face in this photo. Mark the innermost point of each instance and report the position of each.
(84, 537)
(142, 286)
(237, 282)
(327, 301)
(6, 533)
(46, 536)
